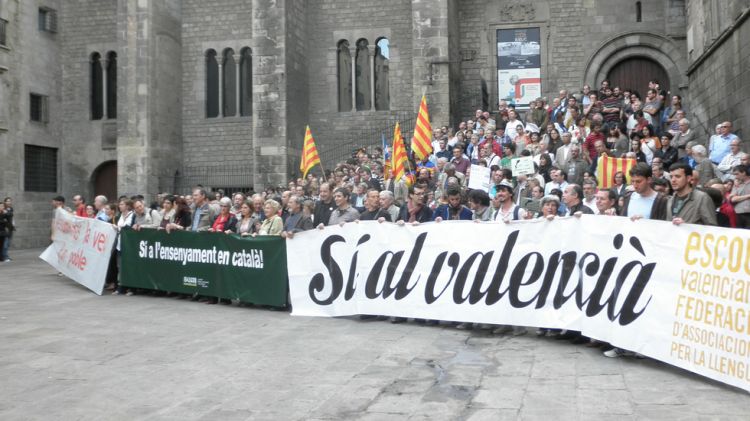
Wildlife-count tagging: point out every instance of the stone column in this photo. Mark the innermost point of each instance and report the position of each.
(105, 63)
(221, 86)
(269, 81)
(371, 53)
(237, 87)
(354, 80)
(430, 58)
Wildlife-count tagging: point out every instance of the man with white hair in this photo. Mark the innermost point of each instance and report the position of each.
(387, 203)
(732, 159)
(718, 146)
(683, 137)
(705, 169)
(100, 203)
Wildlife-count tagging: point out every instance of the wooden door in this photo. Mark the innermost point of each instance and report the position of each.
(635, 73)
(105, 180)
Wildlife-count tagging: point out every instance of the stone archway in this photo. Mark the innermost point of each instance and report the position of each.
(655, 47)
(104, 180)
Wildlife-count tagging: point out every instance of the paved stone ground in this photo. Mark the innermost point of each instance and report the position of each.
(66, 353)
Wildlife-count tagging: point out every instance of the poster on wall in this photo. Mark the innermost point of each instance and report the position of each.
(519, 66)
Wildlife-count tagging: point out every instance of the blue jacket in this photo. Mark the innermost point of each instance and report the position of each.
(443, 211)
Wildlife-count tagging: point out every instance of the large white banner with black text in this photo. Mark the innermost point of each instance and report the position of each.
(677, 294)
(81, 249)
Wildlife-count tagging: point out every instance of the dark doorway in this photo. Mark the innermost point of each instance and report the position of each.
(635, 73)
(105, 180)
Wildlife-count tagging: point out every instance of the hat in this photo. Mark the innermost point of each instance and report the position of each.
(504, 185)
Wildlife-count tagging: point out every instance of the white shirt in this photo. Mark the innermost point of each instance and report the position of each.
(510, 129)
(640, 205)
(591, 204)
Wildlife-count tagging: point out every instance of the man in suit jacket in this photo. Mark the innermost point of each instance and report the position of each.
(297, 221)
(685, 136)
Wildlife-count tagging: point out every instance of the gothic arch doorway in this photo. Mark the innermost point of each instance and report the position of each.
(104, 180)
(635, 73)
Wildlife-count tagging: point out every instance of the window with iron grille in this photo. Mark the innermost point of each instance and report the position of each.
(3, 28)
(47, 19)
(40, 168)
(38, 108)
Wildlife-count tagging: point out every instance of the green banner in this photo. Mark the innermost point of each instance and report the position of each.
(252, 270)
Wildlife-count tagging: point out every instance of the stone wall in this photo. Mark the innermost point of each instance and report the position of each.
(330, 21)
(32, 59)
(719, 66)
(88, 27)
(218, 25)
(572, 31)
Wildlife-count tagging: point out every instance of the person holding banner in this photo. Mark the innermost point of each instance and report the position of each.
(453, 210)
(204, 214)
(225, 221)
(272, 224)
(297, 221)
(688, 205)
(125, 221)
(643, 202)
(415, 210)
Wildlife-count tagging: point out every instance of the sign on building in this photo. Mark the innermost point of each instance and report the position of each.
(519, 66)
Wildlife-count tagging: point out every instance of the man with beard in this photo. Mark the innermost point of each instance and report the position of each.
(688, 205)
(453, 210)
(325, 206)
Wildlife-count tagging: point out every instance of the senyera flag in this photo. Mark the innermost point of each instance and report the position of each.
(399, 157)
(607, 167)
(310, 156)
(421, 143)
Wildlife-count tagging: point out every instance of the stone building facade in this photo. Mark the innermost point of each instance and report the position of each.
(145, 96)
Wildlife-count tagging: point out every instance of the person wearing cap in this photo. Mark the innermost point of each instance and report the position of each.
(507, 211)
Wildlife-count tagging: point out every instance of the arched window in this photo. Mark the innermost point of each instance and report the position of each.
(112, 85)
(97, 98)
(362, 80)
(638, 16)
(246, 82)
(344, 65)
(382, 87)
(212, 84)
(229, 78)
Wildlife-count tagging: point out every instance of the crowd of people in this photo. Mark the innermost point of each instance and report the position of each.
(679, 177)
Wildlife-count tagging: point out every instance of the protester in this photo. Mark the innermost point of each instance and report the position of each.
(688, 205)
(10, 229)
(272, 223)
(225, 221)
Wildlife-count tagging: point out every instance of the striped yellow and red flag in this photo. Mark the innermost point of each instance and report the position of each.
(310, 156)
(421, 143)
(607, 167)
(398, 156)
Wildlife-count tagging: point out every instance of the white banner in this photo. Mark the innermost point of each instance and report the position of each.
(81, 249)
(677, 294)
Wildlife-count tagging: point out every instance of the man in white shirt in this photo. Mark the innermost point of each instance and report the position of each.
(730, 160)
(558, 181)
(643, 202)
(589, 195)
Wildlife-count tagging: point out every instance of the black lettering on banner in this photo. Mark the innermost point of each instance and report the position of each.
(317, 283)
(531, 272)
